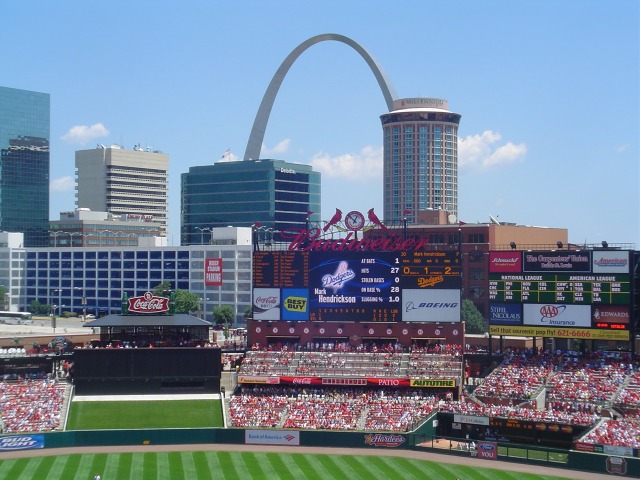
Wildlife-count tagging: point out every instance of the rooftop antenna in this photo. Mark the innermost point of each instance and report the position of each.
(494, 220)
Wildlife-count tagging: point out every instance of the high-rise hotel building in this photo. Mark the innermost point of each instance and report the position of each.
(24, 164)
(124, 182)
(420, 158)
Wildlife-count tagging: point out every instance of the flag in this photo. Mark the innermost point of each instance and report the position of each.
(226, 153)
(462, 223)
(407, 212)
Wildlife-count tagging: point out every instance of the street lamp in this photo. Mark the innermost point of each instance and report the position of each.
(100, 236)
(202, 230)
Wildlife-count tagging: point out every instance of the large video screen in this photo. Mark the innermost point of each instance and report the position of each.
(357, 286)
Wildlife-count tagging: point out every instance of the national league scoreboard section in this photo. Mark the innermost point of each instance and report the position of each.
(357, 286)
(562, 294)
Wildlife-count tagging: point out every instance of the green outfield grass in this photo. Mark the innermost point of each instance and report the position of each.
(147, 414)
(242, 465)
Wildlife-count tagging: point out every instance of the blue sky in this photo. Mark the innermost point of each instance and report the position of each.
(548, 92)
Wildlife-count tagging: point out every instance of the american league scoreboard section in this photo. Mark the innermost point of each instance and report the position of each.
(357, 286)
(565, 294)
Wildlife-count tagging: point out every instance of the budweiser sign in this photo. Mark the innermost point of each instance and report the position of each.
(148, 304)
(313, 240)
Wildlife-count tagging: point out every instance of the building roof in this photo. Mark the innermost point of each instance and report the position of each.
(177, 320)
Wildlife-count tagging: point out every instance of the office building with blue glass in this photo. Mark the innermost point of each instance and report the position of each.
(272, 193)
(24, 164)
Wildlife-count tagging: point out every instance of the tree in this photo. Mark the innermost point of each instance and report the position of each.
(223, 315)
(37, 308)
(472, 318)
(184, 301)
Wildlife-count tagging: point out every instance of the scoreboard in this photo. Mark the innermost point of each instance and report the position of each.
(561, 288)
(362, 286)
(570, 294)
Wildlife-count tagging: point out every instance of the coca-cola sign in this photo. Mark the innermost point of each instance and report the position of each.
(148, 304)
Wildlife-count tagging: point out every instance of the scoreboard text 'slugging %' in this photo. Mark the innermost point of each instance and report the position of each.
(396, 286)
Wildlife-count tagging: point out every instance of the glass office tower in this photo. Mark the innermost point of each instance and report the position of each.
(24, 164)
(272, 193)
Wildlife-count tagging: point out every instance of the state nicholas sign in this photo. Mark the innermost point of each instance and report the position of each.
(148, 304)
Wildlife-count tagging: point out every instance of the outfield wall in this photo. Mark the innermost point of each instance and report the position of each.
(573, 460)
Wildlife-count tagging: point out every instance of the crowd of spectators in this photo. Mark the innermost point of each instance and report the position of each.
(518, 378)
(592, 379)
(624, 432)
(345, 408)
(524, 412)
(628, 400)
(31, 405)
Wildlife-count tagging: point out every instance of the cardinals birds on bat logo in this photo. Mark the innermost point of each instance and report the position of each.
(335, 219)
(373, 218)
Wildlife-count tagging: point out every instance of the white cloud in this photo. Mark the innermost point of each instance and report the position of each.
(363, 165)
(481, 151)
(82, 134)
(622, 148)
(62, 184)
(281, 147)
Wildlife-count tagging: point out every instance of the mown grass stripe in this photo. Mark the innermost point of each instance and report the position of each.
(295, 464)
(85, 464)
(71, 466)
(111, 466)
(309, 466)
(137, 466)
(213, 463)
(421, 467)
(149, 465)
(385, 468)
(227, 465)
(5, 468)
(201, 466)
(253, 465)
(337, 463)
(162, 464)
(280, 468)
(188, 466)
(240, 466)
(360, 464)
(52, 469)
(31, 469)
(175, 466)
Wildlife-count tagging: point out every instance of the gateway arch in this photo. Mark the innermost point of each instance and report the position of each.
(254, 145)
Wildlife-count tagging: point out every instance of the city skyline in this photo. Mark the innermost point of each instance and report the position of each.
(549, 128)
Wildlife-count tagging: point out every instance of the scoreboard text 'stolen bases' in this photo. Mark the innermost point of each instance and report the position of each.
(363, 286)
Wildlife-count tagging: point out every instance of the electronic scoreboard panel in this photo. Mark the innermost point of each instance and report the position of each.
(571, 294)
(560, 288)
(357, 286)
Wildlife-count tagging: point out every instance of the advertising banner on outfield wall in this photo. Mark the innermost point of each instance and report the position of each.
(470, 419)
(271, 437)
(21, 442)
